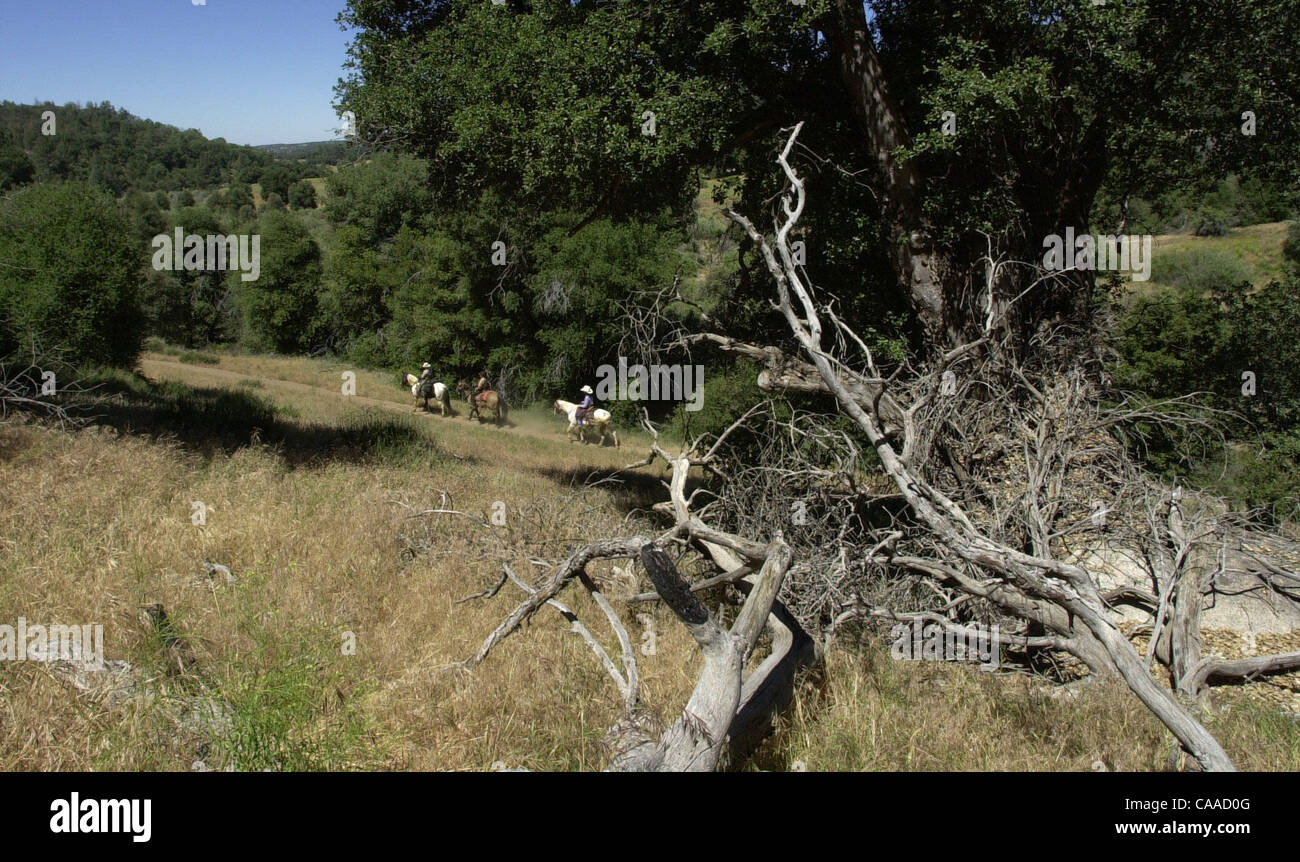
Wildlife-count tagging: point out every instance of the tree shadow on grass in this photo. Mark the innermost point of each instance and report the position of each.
(212, 421)
(630, 490)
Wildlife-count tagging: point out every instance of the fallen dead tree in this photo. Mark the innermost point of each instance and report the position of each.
(731, 709)
(973, 488)
(1041, 429)
(30, 384)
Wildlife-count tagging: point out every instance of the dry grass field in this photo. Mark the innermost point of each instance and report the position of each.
(308, 495)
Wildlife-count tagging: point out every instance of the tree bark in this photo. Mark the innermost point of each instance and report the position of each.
(916, 261)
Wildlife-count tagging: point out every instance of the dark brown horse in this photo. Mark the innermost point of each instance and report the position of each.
(488, 399)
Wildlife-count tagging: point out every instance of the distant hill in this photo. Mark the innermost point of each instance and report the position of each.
(119, 151)
(320, 152)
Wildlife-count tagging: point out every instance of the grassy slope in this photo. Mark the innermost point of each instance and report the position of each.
(97, 523)
(1258, 246)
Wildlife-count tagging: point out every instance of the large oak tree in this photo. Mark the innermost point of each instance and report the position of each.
(546, 103)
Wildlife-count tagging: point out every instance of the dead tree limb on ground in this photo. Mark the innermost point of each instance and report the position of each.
(973, 488)
(730, 710)
(1005, 550)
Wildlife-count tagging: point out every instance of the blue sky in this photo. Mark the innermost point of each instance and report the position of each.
(249, 71)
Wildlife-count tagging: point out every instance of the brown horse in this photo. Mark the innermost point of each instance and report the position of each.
(485, 400)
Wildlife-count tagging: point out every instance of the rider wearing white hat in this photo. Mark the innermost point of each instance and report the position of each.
(588, 404)
(426, 381)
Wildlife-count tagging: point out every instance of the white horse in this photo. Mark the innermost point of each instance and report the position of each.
(438, 391)
(597, 420)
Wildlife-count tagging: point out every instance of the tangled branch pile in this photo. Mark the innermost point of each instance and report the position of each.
(979, 486)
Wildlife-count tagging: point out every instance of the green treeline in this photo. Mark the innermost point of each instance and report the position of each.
(110, 148)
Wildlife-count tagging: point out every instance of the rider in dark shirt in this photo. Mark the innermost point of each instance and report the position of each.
(584, 409)
(426, 380)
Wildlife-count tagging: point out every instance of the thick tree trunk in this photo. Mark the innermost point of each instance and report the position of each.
(916, 261)
(937, 280)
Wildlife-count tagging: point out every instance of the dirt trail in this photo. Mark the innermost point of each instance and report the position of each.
(184, 372)
(156, 369)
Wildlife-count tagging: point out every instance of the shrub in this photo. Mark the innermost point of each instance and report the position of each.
(727, 393)
(1177, 342)
(302, 195)
(70, 274)
(1200, 270)
(1291, 247)
(1209, 221)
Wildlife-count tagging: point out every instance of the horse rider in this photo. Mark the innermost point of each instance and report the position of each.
(482, 385)
(584, 409)
(426, 380)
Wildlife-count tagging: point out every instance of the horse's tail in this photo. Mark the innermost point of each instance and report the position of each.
(446, 401)
(505, 408)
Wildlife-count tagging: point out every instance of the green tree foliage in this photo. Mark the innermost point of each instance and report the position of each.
(315, 153)
(580, 285)
(113, 149)
(434, 316)
(239, 195)
(246, 168)
(380, 196)
(280, 308)
(69, 274)
(1178, 341)
(16, 168)
(148, 218)
(1052, 105)
(354, 305)
(1179, 208)
(191, 307)
(276, 179)
(1236, 347)
(302, 195)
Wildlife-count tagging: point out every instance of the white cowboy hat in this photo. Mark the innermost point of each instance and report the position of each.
(586, 390)
(426, 365)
